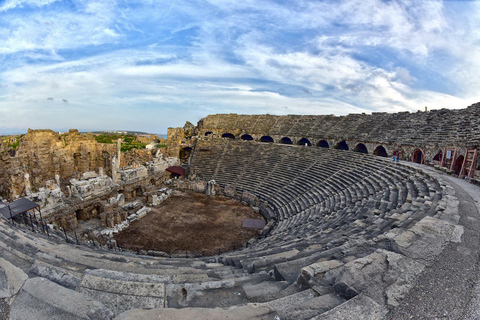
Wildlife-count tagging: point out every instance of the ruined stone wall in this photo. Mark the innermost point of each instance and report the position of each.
(136, 156)
(44, 153)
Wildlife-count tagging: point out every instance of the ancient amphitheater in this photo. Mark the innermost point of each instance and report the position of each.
(350, 233)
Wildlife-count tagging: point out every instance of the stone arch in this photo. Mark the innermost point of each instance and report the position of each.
(286, 140)
(323, 144)
(457, 165)
(228, 135)
(304, 141)
(208, 133)
(342, 145)
(246, 137)
(267, 139)
(361, 148)
(438, 156)
(418, 156)
(380, 151)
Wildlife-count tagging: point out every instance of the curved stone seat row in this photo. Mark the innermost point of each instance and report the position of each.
(330, 211)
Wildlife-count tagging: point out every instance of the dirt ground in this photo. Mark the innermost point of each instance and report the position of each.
(191, 222)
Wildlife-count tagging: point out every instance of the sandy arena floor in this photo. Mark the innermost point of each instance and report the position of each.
(191, 222)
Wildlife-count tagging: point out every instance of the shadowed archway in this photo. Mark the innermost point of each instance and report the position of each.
(228, 135)
(267, 139)
(342, 145)
(380, 151)
(246, 137)
(361, 148)
(286, 140)
(323, 144)
(304, 141)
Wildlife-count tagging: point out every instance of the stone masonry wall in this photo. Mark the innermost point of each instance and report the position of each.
(429, 132)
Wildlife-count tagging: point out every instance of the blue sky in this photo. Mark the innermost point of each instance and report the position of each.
(149, 65)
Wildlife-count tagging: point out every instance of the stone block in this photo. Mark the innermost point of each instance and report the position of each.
(12, 279)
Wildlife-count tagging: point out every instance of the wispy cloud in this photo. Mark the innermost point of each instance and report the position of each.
(150, 65)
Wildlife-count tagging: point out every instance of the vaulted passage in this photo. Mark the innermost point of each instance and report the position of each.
(286, 140)
(418, 156)
(342, 145)
(303, 142)
(266, 139)
(380, 151)
(361, 148)
(457, 166)
(438, 156)
(228, 135)
(323, 144)
(247, 137)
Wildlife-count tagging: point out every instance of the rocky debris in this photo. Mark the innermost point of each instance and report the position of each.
(92, 186)
(50, 200)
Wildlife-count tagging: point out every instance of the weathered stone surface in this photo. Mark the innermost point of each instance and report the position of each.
(57, 275)
(42, 299)
(250, 311)
(122, 295)
(425, 240)
(360, 308)
(11, 279)
(384, 276)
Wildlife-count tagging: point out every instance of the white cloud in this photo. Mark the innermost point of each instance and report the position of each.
(11, 4)
(122, 65)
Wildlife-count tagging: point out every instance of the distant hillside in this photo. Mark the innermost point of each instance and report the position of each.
(124, 132)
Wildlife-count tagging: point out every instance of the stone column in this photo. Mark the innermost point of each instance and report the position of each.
(100, 171)
(114, 169)
(119, 152)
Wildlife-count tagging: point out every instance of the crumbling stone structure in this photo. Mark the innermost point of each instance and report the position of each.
(43, 154)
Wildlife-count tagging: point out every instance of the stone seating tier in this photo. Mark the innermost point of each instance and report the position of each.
(329, 208)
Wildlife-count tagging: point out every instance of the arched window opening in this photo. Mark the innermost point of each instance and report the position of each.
(228, 135)
(303, 142)
(247, 137)
(208, 133)
(457, 166)
(418, 156)
(267, 139)
(361, 148)
(380, 151)
(286, 140)
(342, 145)
(438, 156)
(323, 144)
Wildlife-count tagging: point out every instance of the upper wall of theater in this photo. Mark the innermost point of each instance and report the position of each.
(437, 127)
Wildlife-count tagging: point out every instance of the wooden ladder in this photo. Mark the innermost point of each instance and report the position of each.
(468, 166)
